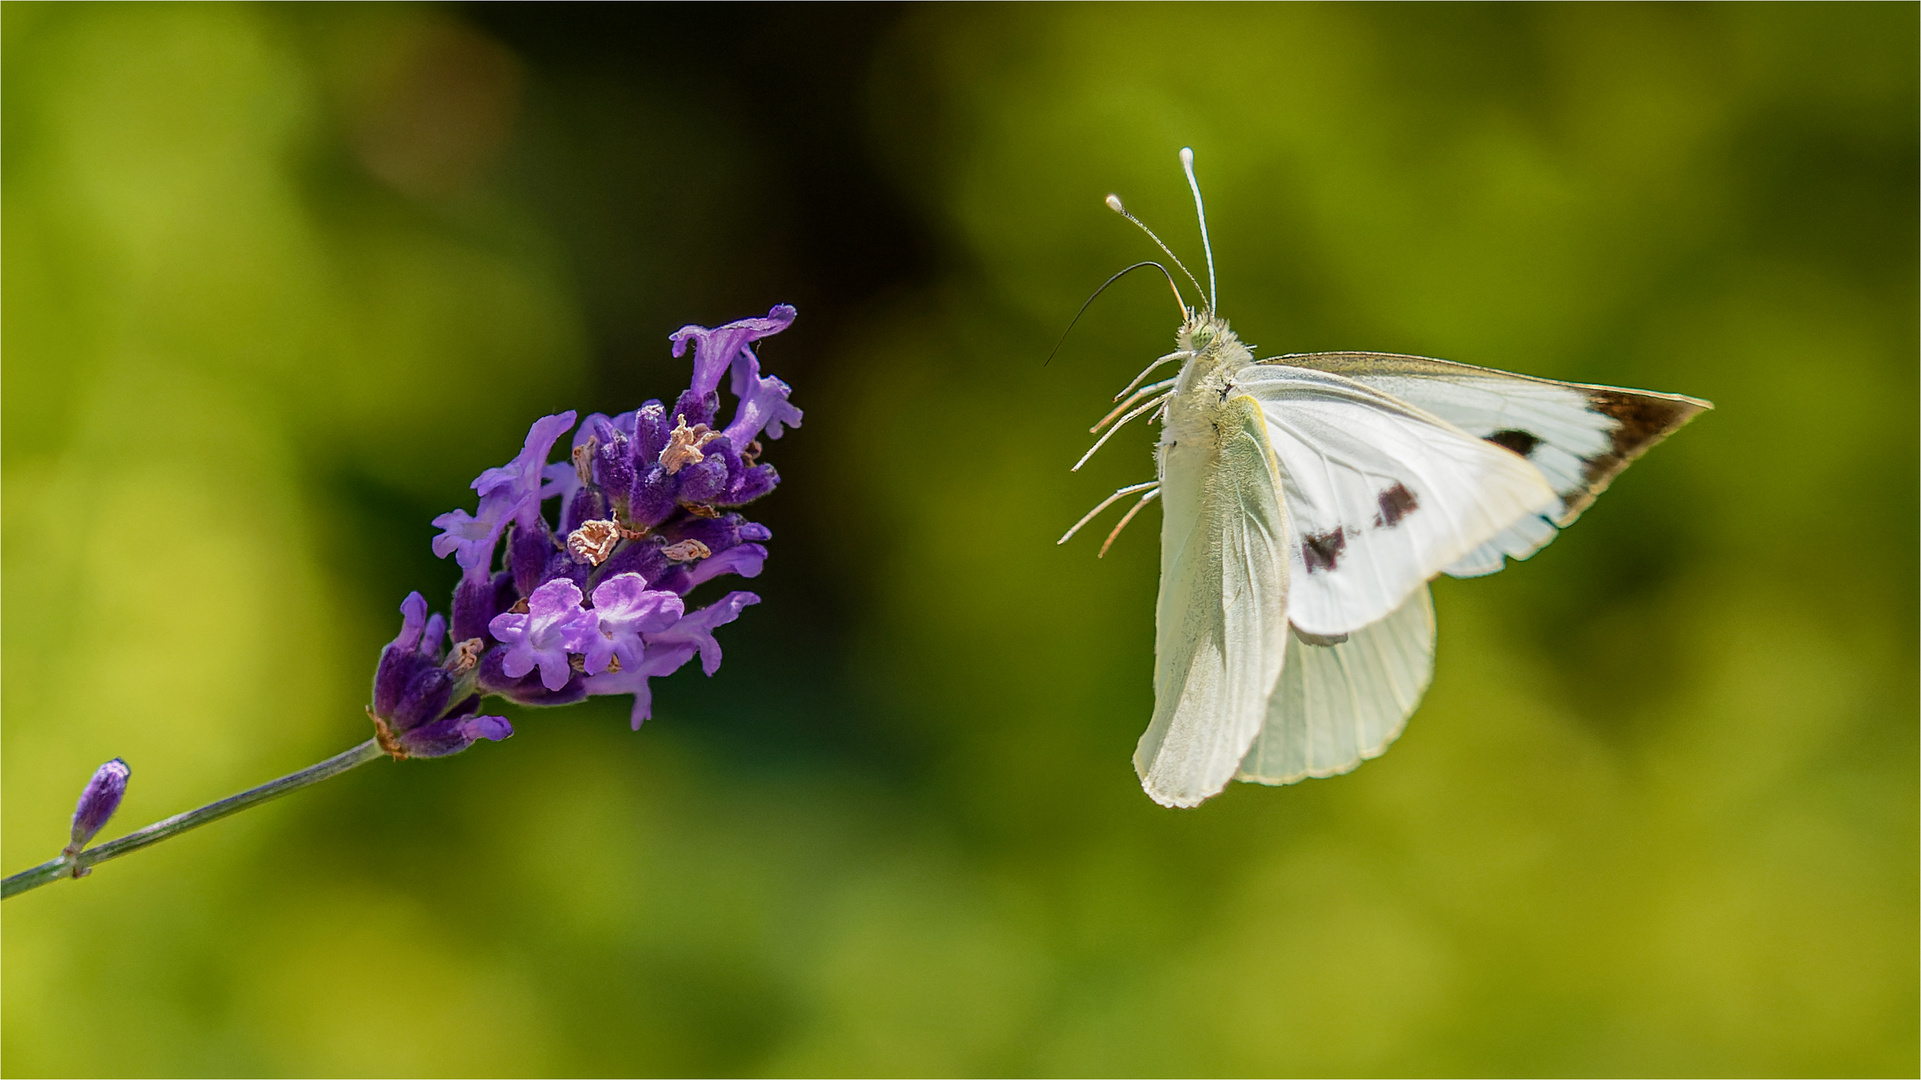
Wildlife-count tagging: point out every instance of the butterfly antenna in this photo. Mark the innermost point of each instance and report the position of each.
(1187, 164)
(1102, 289)
(1114, 204)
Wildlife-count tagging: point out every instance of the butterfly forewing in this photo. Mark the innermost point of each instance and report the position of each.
(1222, 614)
(1380, 495)
(1580, 436)
(1340, 702)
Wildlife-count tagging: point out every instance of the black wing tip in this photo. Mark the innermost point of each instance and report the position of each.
(1642, 419)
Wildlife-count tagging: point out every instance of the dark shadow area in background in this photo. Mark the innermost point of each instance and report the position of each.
(788, 83)
(698, 163)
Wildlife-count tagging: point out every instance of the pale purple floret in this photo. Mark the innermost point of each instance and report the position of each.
(666, 651)
(633, 680)
(697, 629)
(745, 560)
(98, 800)
(626, 609)
(763, 403)
(560, 480)
(511, 492)
(716, 349)
(553, 625)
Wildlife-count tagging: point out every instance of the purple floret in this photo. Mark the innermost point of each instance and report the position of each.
(626, 609)
(553, 625)
(763, 403)
(453, 734)
(418, 694)
(716, 349)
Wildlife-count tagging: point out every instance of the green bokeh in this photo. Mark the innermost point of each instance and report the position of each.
(280, 281)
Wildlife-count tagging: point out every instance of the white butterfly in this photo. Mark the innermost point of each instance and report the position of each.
(1307, 501)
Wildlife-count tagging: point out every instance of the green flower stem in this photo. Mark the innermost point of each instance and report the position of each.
(78, 865)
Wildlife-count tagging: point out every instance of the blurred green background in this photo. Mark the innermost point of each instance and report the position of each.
(279, 281)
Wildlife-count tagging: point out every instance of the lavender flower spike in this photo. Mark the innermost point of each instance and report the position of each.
(97, 803)
(593, 596)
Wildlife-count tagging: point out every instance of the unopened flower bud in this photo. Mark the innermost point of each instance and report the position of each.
(98, 802)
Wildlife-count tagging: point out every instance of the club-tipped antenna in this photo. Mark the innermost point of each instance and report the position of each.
(1097, 292)
(1114, 204)
(1187, 164)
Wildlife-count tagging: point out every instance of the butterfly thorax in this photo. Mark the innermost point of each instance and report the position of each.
(1206, 380)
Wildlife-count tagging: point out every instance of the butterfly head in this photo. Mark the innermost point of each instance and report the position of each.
(1205, 332)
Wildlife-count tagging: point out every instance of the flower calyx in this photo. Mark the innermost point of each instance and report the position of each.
(686, 551)
(583, 457)
(684, 443)
(594, 541)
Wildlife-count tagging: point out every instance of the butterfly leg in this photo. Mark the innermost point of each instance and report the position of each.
(1105, 503)
(1149, 406)
(1125, 518)
(1169, 358)
(1145, 391)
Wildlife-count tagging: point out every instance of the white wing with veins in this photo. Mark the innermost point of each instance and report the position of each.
(1340, 702)
(1580, 436)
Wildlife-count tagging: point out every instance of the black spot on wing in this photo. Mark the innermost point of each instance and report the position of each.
(1396, 502)
(1320, 641)
(1323, 551)
(1521, 442)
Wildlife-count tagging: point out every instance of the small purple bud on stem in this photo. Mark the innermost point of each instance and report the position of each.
(97, 803)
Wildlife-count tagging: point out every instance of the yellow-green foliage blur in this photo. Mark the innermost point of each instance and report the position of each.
(279, 281)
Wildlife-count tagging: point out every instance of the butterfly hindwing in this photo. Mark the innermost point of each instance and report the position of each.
(1220, 622)
(1580, 436)
(1380, 495)
(1340, 702)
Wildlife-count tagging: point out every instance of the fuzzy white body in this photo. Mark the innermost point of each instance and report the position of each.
(1221, 619)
